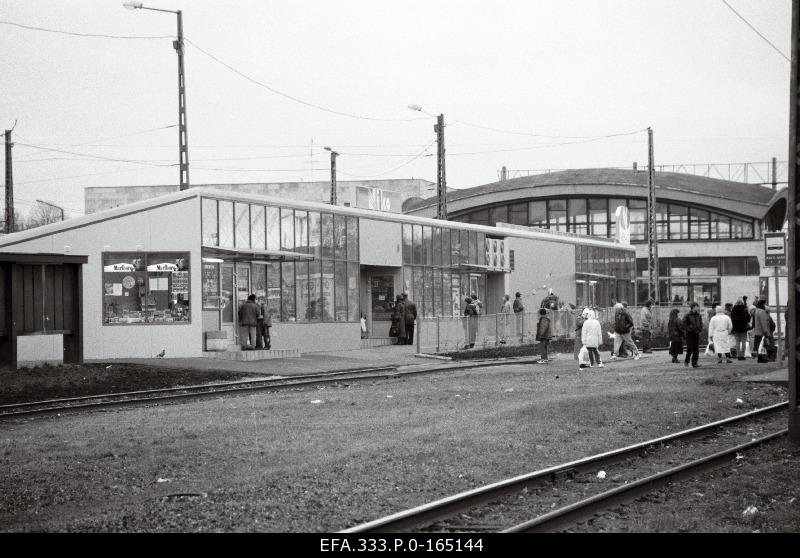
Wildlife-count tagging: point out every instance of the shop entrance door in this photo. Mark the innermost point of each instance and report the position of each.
(235, 290)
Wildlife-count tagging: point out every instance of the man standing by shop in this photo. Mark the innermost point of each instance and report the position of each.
(411, 316)
(693, 325)
(519, 313)
(264, 340)
(248, 320)
(646, 325)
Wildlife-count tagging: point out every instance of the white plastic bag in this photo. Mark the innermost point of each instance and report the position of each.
(709, 352)
(747, 348)
(583, 356)
(762, 347)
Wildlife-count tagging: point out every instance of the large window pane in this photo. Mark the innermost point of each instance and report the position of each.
(498, 214)
(428, 295)
(598, 216)
(340, 290)
(242, 227)
(327, 235)
(287, 229)
(578, 216)
(720, 227)
(301, 231)
(340, 237)
(480, 247)
(305, 311)
(455, 247)
(210, 231)
(537, 213)
(427, 247)
(327, 290)
(315, 290)
(352, 239)
(226, 224)
(437, 292)
(419, 285)
(518, 214)
(557, 213)
(464, 247)
(273, 228)
(437, 246)
(258, 278)
(314, 241)
(446, 249)
(417, 240)
(257, 229)
(287, 292)
(407, 252)
(662, 221)
(678, 222)
(274, 290)
(698, 224)
(353, 292)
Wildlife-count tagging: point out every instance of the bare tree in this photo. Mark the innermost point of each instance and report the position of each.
(19, 222)
(44, 214)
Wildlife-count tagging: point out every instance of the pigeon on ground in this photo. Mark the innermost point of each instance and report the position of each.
(162, 353)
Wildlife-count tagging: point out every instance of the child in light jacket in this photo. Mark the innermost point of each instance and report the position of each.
(592, 337)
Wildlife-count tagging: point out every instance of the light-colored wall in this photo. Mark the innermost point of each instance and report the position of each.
(380, 243)
(314, 338)
(709, 249)
(538, 263)
(175, 228)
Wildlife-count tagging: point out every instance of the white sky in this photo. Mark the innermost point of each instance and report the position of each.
(710, 87)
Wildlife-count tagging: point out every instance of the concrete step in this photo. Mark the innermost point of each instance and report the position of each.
(240, 355)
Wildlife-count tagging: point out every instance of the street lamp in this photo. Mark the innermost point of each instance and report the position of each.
(183, 136)
(334, 154)
(441, 181)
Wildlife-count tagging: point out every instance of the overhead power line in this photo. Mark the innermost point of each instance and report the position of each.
(295, 99)
(414, 158)
(134, 161)
(779, 51)
(87, 35)
(549, 145)
(546, 136)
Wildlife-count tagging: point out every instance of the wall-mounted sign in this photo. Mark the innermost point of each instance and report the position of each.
(166, 266)
(379, 200)
(774, 249)
(497, 257)
(119, 268)
(623, 220)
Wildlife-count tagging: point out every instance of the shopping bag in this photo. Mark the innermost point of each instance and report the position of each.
(709, 352)
(747, 348)
(762, 347)
(583, 356)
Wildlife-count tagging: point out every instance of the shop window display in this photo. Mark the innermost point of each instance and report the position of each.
(146, 288)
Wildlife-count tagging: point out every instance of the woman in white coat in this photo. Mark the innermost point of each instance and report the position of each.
(719, 330)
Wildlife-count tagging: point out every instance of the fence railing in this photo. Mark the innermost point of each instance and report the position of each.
(446, 333)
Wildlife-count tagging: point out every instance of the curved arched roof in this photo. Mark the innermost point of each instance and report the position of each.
(749, 200)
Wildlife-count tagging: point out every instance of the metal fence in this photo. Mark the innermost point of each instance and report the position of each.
(444, 334)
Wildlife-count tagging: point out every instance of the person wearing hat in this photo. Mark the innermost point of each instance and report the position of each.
(544, 333)
(646, 325)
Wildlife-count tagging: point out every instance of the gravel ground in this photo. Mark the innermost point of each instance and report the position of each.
(324, 459)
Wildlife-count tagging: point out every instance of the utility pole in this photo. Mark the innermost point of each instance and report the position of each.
(652, 240)
(441, 181)
(334, 154)
(183, 138)
(774, 173)
(793, 215)
(9, 183)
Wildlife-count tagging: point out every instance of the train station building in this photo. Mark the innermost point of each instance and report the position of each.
(164, 275)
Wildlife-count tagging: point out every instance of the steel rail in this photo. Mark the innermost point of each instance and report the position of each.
(188, 393)
(445, 507)
(588, 507)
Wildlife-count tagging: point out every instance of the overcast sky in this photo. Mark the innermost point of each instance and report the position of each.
(550, 76)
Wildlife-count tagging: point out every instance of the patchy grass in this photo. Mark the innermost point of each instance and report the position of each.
(75, 380)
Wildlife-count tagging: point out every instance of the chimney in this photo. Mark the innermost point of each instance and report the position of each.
(503, 174)
(635, 167)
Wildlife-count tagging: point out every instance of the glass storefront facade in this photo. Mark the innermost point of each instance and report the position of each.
(595, 217)
(603, 275)
(442, 266)
(323, 288)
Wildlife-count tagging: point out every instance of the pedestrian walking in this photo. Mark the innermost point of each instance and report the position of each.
(675, 330)
(398, 328)
(719, 329)
(505, 318)
(646, 325)
(740, 318)
(248, 322)
(410, 318)
(623, 324)
(692, 326)
(592, 337)
(544, 333)
(579, 321)
(762, 332)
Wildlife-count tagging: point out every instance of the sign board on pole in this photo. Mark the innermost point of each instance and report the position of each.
(623, 220)
(774, 249)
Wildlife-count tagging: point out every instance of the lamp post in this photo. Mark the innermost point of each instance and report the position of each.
(441, 181)
(334, 154)
(183, 136)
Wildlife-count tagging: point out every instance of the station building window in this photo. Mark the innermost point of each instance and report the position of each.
(146, 288)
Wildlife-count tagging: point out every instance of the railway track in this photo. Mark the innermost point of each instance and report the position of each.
(438, 516)
(189, 393)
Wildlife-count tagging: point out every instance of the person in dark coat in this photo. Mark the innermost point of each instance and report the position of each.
(675, 330)
(248, 320)
(399, 321)
(544, 333)
(692, 325)
(741, 325)
(411, 317)
(470, 322)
